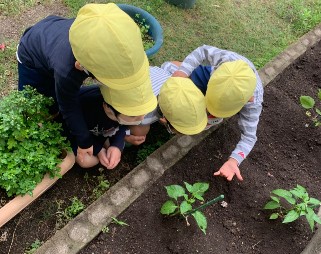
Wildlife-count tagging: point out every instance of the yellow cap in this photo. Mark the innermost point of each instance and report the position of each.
(230, 87)
(183, 105)
(131, 102)
(107, 42)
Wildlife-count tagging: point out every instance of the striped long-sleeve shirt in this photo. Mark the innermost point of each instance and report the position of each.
(250, 113)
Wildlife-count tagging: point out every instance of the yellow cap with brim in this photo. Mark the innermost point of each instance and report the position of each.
(131, 102)
(107, 42)
(230, 87)
(183, 105)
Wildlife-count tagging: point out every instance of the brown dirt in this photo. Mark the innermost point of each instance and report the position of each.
(287, 153)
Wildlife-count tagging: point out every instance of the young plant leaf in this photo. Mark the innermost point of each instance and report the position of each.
(200, 220)
(271, 205)
(307, 102)
(274, 216)
(291, 216)
(314, 201)
(319, 94)
(200, 188)
(168, 207)
(175, 191)
(189, 187)
(185, 207)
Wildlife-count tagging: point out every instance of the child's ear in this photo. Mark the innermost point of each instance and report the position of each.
(78, 66)
(251, 99)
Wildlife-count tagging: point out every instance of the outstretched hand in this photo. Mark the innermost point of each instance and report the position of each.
(229, 170)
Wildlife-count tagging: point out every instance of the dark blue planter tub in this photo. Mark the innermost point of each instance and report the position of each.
(155, 29)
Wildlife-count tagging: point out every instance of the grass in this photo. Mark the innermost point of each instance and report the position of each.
(257, 29)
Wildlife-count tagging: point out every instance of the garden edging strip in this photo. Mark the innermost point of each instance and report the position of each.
(87, 225)
(17, 204)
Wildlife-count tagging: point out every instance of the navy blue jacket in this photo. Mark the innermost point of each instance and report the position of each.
(45, 48)
(100, 126)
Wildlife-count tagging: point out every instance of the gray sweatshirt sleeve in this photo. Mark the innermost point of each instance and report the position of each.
(250, 113)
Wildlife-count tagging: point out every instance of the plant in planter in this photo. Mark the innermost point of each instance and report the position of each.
(174, 206)
(146, 20)
(297, 203)
(308, 103)
(30, 143)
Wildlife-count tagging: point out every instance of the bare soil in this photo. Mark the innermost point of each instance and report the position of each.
(288, 152)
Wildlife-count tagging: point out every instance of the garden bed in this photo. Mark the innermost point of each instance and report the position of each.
(288, 152)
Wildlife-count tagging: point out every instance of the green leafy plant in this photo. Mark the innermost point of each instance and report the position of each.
(30, 144)
(180, 202)
(105, 229)
(74, 209)
(33, 247)
(148, 41)
(291, 204)
(308, 103)
(119, 222)
(102, 186)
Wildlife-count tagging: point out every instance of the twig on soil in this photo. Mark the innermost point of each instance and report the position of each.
(253, 246)
(14, 234)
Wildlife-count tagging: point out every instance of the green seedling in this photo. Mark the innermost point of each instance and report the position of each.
(313, 112)
(74, 209)
(33, 247)
(119, 222)
(291, 204)
(148, 41)
(105, 229)
(181, 203)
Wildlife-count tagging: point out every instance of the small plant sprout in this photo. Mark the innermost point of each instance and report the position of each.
(313, 112)
(298, 204)
(119, 222)
(181, 202)
(33, 247)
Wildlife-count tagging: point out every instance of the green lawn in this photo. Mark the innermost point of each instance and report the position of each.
(257, 29)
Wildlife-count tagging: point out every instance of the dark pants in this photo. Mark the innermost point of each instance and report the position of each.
(44, 83)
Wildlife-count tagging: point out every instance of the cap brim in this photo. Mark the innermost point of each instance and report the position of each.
(193, 130)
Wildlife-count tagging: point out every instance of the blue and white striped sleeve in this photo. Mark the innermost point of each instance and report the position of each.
(250, 113)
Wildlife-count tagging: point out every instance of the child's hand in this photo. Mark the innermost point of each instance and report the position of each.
(229, 169)
(82, 152)
(102, 156)
(179, 74)
(135, 140)
(113, 156)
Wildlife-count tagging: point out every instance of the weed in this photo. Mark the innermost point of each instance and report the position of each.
(33, 247)
(74, 209)
(298, 203)
(102, 186)
(119, 222)
(313, 112)
(105, 230)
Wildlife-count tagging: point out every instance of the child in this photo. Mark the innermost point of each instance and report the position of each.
(104, 124)
(57, 54)
(232, 85)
